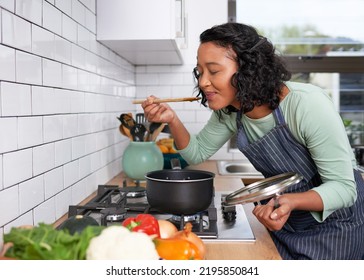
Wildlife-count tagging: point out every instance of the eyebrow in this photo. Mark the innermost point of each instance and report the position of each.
(210, 63)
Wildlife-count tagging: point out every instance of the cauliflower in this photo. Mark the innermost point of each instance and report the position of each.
(118, 243)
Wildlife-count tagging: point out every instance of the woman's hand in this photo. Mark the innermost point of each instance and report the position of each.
(162, 113)
(271, 217)
(274, 219)
(157, 112)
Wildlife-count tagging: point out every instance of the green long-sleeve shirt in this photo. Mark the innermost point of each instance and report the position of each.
(314, 122)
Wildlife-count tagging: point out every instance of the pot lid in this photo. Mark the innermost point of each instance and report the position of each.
(263, 189)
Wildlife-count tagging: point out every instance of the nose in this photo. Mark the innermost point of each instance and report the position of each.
(204, 81)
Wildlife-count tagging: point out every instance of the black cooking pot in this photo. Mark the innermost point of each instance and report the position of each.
(180, 192)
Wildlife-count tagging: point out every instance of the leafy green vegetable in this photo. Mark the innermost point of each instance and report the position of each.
(47, 243)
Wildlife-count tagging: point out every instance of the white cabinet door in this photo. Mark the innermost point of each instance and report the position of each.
(141, 31)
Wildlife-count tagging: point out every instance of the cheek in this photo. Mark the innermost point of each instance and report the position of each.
(224, 84)
(230, 91)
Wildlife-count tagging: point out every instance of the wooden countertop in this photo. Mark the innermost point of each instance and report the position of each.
(262, 249)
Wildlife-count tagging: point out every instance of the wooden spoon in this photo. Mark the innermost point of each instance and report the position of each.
(127, 120)
(165, 100)
(125, 131)
(157, 131)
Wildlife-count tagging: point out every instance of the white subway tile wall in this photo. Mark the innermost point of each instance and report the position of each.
(1, 172)
(30, 10)
(28, 68)
(17, 167)
(7, 63)
(30, 132)
(16, 99)
(60, 94)
(31, 193)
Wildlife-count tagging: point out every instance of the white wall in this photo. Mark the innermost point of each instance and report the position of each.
(60, 93)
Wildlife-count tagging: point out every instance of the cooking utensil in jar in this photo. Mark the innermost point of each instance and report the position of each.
(127, 120)
(180, 192)
(126, 132)
(138, 132)
(166, 100)
(121, 129)
(263, 189)
(157, 131)
(151, 128)
(140, 118)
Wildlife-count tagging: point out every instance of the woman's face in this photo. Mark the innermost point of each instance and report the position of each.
(216, 66)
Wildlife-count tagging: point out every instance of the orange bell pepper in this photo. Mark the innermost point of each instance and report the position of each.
(176, 249)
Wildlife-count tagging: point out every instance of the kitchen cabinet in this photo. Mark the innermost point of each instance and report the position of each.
(144, 32)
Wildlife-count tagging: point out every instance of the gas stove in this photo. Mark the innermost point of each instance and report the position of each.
(113, 204)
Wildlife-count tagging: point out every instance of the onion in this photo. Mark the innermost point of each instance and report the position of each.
(188, 235)
(166, 229)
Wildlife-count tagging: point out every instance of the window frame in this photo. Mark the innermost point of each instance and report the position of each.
(306, 63)
(324, 64)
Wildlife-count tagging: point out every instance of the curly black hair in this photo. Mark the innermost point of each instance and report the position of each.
(261, 72)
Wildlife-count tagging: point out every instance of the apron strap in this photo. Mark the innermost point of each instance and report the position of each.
(241, 135)
(278, 116)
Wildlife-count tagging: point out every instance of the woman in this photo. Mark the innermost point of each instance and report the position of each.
(281, 126)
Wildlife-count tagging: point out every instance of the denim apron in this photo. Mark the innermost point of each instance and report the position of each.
(341, 235)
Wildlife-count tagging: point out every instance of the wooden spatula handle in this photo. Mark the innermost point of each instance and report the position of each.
(166, 100)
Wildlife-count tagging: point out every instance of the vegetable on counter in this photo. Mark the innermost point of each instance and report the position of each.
(166, 145)
(47, 243)
(78, 223)
(187, 234)
(166, 229)
(158, 239)
(119, 243)
(181, 245)
(145, 223)
(176, 249)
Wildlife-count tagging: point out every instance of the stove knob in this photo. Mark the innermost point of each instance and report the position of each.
(229, 216)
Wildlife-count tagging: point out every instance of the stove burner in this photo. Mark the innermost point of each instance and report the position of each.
(189, 218)
(200, 222)
(113, 214)
(134, 191)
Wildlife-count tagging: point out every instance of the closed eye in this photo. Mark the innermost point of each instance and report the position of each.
(214, 72)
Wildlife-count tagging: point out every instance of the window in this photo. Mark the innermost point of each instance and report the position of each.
(322, 42)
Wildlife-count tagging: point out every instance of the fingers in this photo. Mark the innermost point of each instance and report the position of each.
(148, 101)
(263, 212)
(157, 112)
(271, 218)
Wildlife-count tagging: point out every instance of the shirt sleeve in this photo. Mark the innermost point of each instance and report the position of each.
(321, 130)
(210, 139)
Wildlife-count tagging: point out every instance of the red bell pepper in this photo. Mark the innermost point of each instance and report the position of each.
(142, 223)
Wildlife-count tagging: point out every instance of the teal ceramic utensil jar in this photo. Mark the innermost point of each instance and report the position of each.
(140, 158)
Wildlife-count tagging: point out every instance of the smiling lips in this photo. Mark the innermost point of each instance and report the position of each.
(209, 95)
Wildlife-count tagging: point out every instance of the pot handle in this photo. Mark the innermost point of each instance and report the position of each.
(176, 163)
